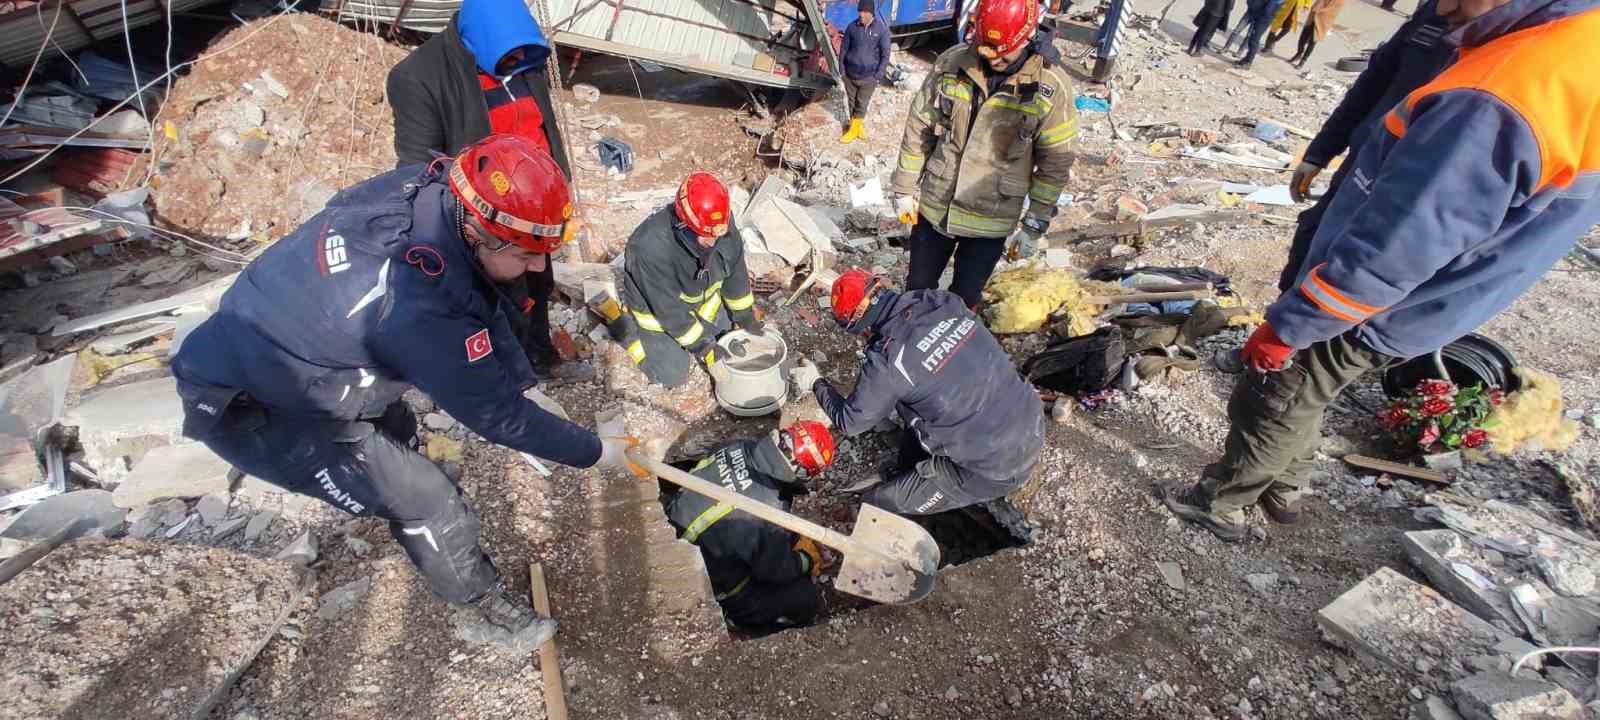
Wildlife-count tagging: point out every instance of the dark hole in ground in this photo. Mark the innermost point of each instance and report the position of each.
(963, 535)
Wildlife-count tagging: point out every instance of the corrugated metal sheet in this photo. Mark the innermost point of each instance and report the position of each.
(22, 32)
(723, 38)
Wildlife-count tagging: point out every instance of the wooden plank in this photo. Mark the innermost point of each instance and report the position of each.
(555, 697)
(1394, 468)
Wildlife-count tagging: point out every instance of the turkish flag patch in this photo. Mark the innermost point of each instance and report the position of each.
(478, 346)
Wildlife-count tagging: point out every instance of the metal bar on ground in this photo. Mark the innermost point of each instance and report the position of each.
(555, 697)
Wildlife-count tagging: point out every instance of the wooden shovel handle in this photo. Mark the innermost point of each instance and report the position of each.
(826, 536)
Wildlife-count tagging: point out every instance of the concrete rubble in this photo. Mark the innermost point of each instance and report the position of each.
(1395, 620)
(185, 470)
(136, 629)
(1498, 696)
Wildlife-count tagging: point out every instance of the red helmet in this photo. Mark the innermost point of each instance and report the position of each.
(810, 445)
(703, 204)
(1002, 26)
(515, 190)
(852, 295)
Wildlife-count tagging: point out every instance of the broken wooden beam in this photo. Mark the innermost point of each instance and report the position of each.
(1135, 228)
(555, 697)
(1401, 469)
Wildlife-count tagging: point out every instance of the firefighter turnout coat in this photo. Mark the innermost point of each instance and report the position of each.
(740, 548)
(676, 287)
(975, 154)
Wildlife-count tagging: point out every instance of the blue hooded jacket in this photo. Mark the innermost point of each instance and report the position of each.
(492, 28)
(1476, 185)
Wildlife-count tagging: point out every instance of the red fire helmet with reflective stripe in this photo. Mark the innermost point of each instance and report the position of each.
(703, 204)
(810, 445)
(515, 190)
(1002, 26)
(851, 293)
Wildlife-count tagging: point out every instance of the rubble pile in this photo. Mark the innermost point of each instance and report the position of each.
(255, 140)
(106, 629)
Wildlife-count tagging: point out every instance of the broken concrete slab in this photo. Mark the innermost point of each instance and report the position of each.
(149, 409)
(1452, 565)
(1390, 618)
(300, 551)
(204, 296)
(571, 276)
(229, 527)
(46, 517)
(1499, 696)
(122, 342)
(152, 648)
(185, 470)
(341, 599)
(213, 509)
(258, 524)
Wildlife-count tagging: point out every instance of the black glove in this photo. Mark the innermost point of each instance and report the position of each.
(753, 326)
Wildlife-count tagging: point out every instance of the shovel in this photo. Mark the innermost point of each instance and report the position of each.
(887, 558)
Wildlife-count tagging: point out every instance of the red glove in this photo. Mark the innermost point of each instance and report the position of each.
(1265, 352)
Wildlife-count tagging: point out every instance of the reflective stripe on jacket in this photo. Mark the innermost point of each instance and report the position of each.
(974, 155)
(737, 546)
(670, 288)
(1483, 180)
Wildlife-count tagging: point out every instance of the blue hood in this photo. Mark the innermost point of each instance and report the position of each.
(1514, 16)
(492, 28)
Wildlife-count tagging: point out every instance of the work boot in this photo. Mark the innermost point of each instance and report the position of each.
(853, 134)
(1281, 506)
(507, 621)
(1192, 504)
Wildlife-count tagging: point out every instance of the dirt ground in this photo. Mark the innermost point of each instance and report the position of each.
(1080, 623)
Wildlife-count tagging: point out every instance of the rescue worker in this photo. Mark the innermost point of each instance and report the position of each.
(1473, 187)
(986, 136)
(974, 427)
(297, 378)
(1415, 54)
(764, 575)
(684, 283)
(485, 73)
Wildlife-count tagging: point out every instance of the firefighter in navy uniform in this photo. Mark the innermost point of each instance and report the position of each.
(974, 427)
(297, 378)
(764, 575)
(685, 283)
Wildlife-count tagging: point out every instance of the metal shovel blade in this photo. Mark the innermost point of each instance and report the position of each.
(902, 568)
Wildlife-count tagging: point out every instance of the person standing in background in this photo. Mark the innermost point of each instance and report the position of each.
(865, 53)
(1287, 19)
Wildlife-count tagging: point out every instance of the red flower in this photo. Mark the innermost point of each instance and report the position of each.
(1436, 406)
(1430, 435)
(1475, 437)
(1436, 388)
(1497, 396)
(1392, 417)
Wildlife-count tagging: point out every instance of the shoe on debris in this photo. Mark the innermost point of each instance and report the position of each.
(1191, 503)
(498, 618)
(1281, 506)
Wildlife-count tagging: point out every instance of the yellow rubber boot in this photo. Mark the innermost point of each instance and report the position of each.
(853, 134)
(861, 130)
